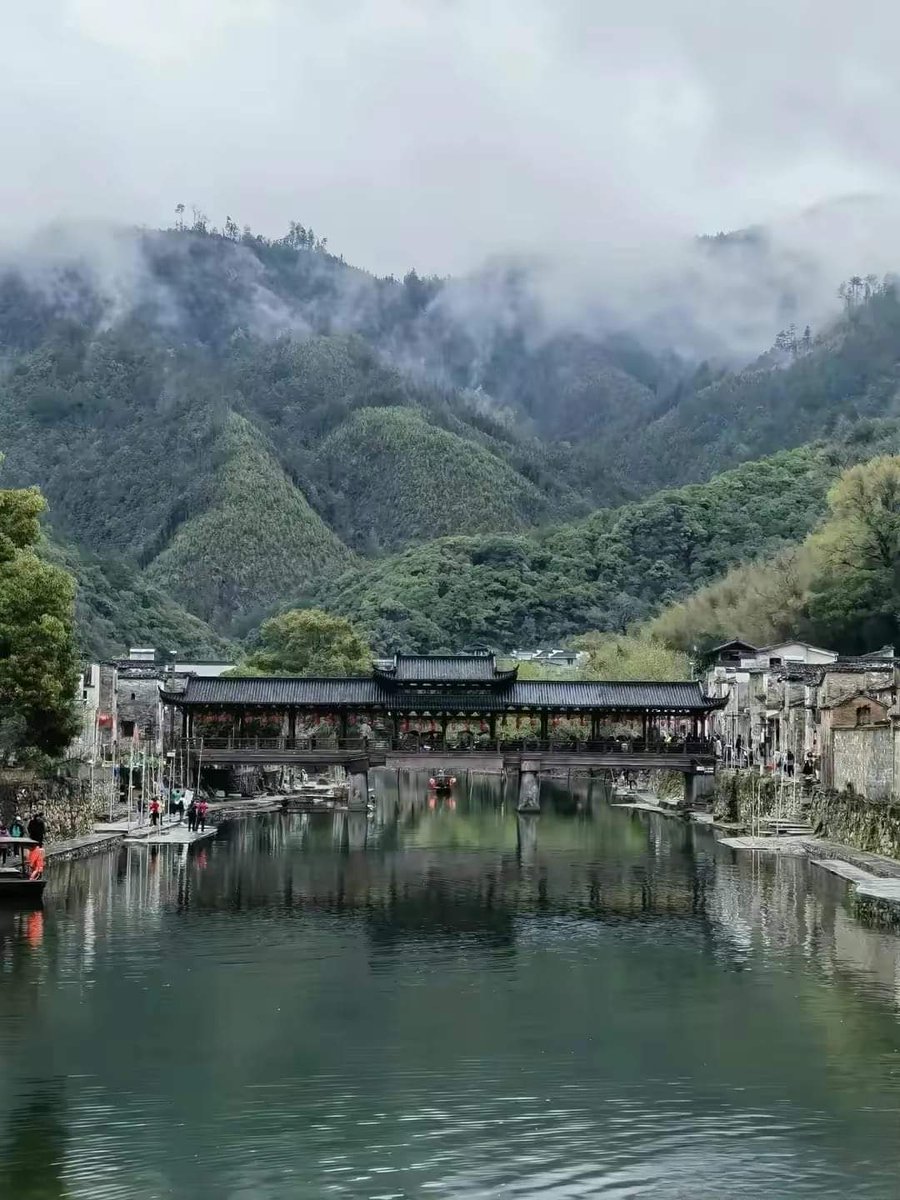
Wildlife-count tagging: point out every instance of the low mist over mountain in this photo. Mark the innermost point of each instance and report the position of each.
(238, 422)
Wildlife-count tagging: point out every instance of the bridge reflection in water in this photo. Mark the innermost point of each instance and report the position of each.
(421, 864)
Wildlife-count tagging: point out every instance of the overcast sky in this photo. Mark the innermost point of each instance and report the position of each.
(436, 133)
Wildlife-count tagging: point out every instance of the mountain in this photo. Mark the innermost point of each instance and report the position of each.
(251, 539)
(401, 478)
(116, 608)
(605, 572)
(816, 389)
(236, 424)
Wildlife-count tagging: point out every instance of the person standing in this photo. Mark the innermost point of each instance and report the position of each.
(35, 861)
(17, 827)
(192, 816)
(37, 829)
(202, 810)
(154, 812)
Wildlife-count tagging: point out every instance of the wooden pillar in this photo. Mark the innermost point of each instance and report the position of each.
(292, 724)
(595, 726)
(342, 726)
(184, 723)
(492, 726)
(644, 729)
(444, 720)
(544, 722)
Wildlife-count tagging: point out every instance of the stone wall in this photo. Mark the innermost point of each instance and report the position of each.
(741, 796)
(864, 761)
(867, 824)
(137, 703)
(65, 802)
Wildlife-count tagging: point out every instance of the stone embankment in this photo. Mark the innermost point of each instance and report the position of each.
(745, 797)
(65, 801)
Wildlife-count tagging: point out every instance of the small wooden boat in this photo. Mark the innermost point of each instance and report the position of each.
(15, 882)
(441, 781)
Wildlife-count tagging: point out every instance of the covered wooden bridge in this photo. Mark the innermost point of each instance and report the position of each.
(436, 704)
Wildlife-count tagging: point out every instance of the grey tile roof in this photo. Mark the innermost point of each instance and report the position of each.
(447, 668)
(282, 690)
(351, 693)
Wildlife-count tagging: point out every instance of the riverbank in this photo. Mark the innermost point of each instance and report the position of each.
(106, 836)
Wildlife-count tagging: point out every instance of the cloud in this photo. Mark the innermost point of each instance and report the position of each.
(441, 133)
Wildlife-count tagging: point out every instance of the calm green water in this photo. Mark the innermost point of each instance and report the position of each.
(441, 1002)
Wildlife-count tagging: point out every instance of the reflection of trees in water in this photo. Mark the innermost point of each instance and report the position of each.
(32, 1152)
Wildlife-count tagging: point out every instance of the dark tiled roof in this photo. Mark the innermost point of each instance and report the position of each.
(446, 668)
(814, 673)
(351, 693)
(278, 690)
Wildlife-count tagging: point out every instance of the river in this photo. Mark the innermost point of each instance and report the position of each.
(447, 1001)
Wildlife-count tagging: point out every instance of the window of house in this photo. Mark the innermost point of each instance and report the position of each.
(127, 729)
(864, 715)
(133, 696)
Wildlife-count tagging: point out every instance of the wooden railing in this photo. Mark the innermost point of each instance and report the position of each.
(425, 745)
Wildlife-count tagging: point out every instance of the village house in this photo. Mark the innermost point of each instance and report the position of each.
(120, 703)
(793, 700)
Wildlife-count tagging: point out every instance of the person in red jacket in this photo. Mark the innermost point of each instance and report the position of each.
(36, 860)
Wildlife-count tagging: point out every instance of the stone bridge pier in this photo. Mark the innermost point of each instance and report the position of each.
(529, 800)
(358, 785)
(690, 790)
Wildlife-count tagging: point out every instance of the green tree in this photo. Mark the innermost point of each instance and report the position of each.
(38, 672)
(856, 558)
(631, 656)
(308, 641)
(762, 602)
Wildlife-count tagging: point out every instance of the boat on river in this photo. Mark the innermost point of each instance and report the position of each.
(442, 781)
(15, 881)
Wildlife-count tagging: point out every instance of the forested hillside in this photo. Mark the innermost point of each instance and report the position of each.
(115, 607)
(236, 423)
(816, 388)
(838, 587)
(606, 572)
